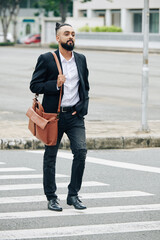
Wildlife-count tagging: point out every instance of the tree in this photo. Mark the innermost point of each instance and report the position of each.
(15, 14)
(8, 10)
(59, 6)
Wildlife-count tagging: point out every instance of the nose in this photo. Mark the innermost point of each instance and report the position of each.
(71, 37)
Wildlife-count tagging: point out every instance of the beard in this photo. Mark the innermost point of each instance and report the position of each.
(68, 47)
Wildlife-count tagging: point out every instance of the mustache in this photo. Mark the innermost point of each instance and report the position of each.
(70, 41)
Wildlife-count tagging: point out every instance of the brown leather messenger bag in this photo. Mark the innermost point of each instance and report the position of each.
(44, 126)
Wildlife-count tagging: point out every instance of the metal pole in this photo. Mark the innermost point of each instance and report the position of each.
(145, 69)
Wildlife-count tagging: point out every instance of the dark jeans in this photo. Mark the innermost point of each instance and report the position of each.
(74, 127)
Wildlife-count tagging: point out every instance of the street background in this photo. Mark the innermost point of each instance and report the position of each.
(115, 82)
(115, 95)
(120, 187)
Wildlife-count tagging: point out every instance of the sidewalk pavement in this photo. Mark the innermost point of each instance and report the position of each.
(100, 135)
(116, 45)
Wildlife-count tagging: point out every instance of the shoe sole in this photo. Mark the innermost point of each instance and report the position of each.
(57, 210)
(71, 204)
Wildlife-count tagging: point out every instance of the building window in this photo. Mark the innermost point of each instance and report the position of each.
(137, 18)
(83, 13)
(99, 13)
(154, 21)
(28, 29)
(116, 17)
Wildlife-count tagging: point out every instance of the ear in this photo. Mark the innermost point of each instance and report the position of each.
(57, 38)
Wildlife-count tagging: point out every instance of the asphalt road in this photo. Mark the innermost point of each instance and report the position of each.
(120, 190)
(115, 80)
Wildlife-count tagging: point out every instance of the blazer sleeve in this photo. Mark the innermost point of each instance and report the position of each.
(39, 83)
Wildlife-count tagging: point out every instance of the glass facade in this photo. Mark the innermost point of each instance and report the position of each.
(83, 13)
(116, 17)
(154, 21)
(99, 13)
(137, 21)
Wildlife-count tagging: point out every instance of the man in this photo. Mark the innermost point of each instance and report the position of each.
(74, 105)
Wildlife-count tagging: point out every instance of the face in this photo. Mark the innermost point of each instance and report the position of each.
(66, 37)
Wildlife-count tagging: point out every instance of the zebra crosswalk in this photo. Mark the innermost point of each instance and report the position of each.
(91, 191)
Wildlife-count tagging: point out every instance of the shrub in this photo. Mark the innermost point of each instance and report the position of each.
(100, 29)
(53, 45)
(84, 29)
(7, 43)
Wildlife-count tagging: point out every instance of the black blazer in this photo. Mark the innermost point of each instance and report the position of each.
(44, 81)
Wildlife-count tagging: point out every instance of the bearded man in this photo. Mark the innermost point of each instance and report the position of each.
(74, 106)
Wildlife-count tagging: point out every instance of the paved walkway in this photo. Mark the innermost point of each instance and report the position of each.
(100, 135)
(116, 45)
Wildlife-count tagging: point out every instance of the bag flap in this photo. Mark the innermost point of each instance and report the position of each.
(40, 121)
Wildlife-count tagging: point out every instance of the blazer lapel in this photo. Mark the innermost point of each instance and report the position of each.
(79, 68)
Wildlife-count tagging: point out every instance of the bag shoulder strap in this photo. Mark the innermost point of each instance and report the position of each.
(60, 72)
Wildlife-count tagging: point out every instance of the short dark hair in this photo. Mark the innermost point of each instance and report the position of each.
(59, 25)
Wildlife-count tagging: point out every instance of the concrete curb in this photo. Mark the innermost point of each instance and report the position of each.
(92, 143)
(97, 48)
(117, 49)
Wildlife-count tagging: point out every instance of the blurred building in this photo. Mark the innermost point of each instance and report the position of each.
(32, 19)
(27, 23)
(126, 14)
(122, 13)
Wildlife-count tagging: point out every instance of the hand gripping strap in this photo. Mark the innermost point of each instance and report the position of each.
(60, 72)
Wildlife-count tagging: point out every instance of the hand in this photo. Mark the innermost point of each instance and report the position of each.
(61, 79)
(74, 113)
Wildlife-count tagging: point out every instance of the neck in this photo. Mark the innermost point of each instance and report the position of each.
(66, 54)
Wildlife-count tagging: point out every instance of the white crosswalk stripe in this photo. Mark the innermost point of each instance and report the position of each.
(80, 230)
(14, 169)
(100, 195)
(88, 211)
(32, 176)
(40, 186)
(106, 162)
(2, 163)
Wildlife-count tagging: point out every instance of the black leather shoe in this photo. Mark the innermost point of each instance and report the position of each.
(76, 202)
(53, 204)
